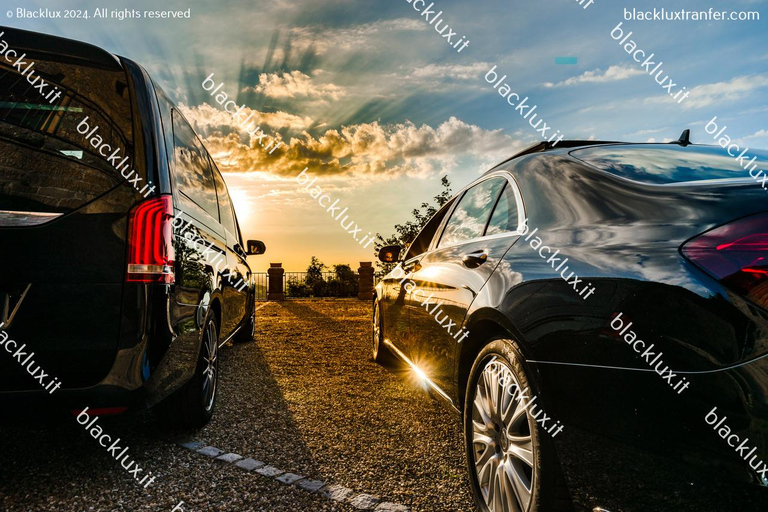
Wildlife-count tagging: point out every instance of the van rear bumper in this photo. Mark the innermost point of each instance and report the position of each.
(155, 356)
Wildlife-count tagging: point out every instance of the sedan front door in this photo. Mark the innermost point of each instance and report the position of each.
(482, 227)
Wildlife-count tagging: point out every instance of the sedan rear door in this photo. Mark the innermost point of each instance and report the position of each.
(481, 228)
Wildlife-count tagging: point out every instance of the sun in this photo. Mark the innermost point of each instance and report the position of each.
(243, 207)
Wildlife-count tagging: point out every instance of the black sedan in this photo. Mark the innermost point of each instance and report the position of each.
(598, 314)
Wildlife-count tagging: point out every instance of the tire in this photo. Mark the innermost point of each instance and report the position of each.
(192, 406)
(380, 353)
(531, 478)
(247, 332)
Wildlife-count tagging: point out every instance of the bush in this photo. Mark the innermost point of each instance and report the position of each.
(343, 282)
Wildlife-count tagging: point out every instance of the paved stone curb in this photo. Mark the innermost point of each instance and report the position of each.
(270, 471)
(310, 485)
(391, 507)
(290, 478)
(364, 501)
(249, 464)
(229, 457)
(210, 451)
(332, 492)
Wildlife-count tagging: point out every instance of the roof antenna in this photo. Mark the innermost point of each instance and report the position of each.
(685, 138)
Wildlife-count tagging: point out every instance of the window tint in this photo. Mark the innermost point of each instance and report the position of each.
(225, 205)
(504, 218)
(46, 164)
(469, 218)
(192, 170)
(422, 242)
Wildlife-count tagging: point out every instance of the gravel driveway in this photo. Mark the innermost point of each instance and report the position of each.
(305, 399)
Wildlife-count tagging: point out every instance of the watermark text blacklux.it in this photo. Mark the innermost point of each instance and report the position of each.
(214, 257)
(122, 165)
(239, 115)
(317, 193)
(94, 429)
(572, 279)
(48, 384)
(505, 91)
(445, 322)
(446, 31)
(526, 401)
(630, 46)
(724, 141)
(48, 91)
(630, 338)
(585, 3)
(742, 449)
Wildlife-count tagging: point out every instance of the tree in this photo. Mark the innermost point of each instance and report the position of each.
(343, 283)
(407, 232)
(314, 278)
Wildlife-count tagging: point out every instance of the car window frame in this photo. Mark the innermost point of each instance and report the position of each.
(444, 210)
(217, 173)
(239, 233)
(493, 212)
(521, 215)
(174, 112)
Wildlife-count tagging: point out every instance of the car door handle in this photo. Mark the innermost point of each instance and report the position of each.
(474, 259)
(412, 267)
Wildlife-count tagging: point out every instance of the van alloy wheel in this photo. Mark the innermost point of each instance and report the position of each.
(210, 366)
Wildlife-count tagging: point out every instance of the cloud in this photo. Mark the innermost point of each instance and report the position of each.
(454, 71)
(208, 118)
(372, 151)
(724, 92)
(612, 74)
(718, 93)
(759, 138)
(293, 85)
(358, 38)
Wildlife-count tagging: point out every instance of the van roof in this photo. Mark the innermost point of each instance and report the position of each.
(58, 49)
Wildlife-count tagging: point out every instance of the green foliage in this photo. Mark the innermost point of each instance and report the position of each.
(406, 233)
(341, 282)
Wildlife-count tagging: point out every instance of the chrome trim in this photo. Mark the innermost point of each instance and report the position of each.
(11, 218)
(696, 372)
(521, 214)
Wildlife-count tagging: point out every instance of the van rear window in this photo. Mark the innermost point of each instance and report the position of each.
(46, 166)
(669, 163)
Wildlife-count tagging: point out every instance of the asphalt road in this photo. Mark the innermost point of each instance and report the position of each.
(305, 399)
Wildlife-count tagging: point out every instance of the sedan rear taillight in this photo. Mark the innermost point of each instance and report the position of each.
(150, 242)
(735, 254)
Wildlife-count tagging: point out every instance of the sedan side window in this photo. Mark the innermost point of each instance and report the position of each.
(504, 218)
(471, 215)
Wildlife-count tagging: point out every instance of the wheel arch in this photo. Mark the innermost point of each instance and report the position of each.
(483, 326)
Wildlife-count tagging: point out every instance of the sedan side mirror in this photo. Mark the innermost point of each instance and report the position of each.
(390, 254)
(256, 247)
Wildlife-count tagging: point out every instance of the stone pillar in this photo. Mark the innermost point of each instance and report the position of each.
(365, 281)
(276, 274)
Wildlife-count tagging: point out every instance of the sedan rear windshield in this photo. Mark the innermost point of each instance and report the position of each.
(47, 165)
(670, 163)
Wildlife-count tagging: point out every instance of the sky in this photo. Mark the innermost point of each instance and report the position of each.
(378, 106)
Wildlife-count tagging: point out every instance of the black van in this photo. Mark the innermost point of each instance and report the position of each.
(122, 267)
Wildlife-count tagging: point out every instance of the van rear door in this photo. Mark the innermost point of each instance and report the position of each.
(63, 207)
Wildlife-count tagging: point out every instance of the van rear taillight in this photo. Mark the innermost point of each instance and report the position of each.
(735, 254)
(150, 242)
